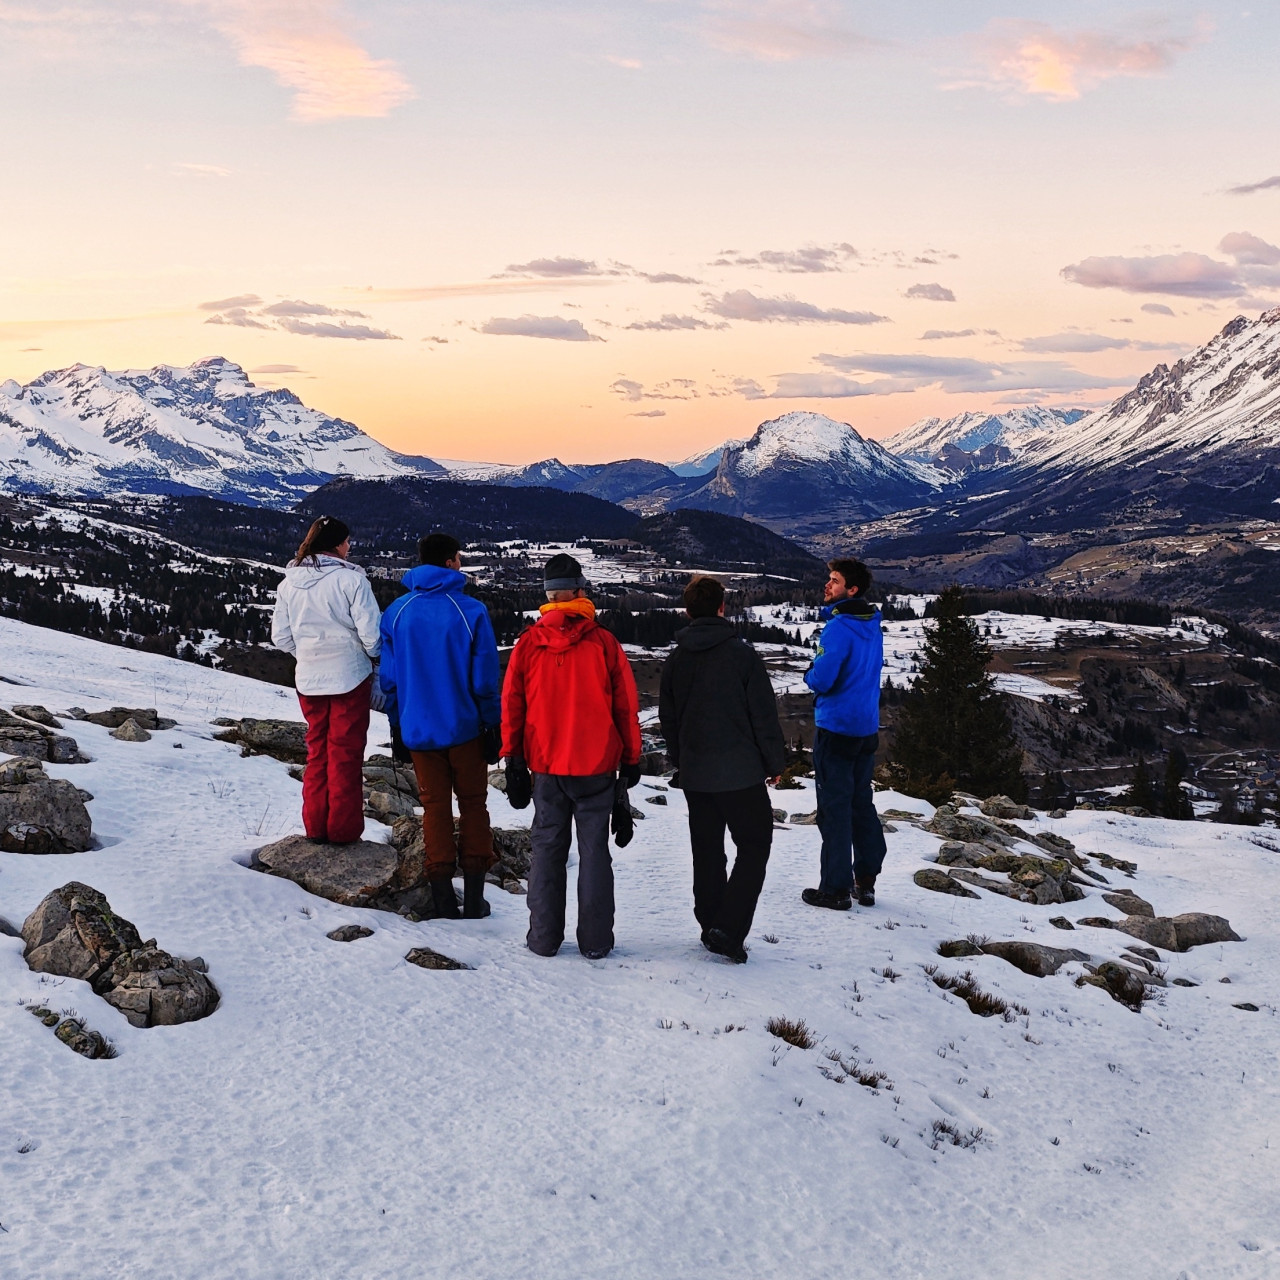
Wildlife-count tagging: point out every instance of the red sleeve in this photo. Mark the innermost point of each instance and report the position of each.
(626, 702)
(514, 703)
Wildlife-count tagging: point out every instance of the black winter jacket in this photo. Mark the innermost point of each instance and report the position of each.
(718, 712)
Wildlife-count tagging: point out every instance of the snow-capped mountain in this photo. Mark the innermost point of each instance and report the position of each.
(699, 464)
(202, 429)
(975, 441)
(803, 466)
(1223, 398)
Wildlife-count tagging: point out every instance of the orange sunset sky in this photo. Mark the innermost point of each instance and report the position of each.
(506, 231)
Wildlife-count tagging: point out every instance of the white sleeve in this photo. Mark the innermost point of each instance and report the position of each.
(281, 631)
(366, 615)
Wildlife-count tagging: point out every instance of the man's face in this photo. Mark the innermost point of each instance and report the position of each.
(835, 588)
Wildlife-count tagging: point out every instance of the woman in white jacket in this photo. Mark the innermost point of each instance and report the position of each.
(327, 618)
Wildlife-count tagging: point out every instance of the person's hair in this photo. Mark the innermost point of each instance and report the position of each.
(703, 596)
(326, 534)
(438, 549)
(854, 572)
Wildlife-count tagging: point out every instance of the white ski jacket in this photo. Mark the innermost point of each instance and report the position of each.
(327, 618)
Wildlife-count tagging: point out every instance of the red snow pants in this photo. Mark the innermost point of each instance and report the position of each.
(333, 784)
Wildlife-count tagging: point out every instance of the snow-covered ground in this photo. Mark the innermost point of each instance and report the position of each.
(344, 1113)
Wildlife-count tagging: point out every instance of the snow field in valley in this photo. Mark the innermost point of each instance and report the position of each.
(344, 1113)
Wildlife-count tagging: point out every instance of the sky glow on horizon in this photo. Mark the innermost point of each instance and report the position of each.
(508, 231)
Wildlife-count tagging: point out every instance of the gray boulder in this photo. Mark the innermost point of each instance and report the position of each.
(1156, 931)
(948, 823)
(1033, 957)
(359, 874)
(1120, 982)
(74, 933)
(33, 739)
(805, 819)
(39, 714)
(1196, 929)
(425, 958)
(1004, 807)
(39, 814)
(146, 717)
(390, 789)
(349, 933)
(1130, 904)
(940, 882)
(281, 739)
(130, 731)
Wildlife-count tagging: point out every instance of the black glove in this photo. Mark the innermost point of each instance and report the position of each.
(621, 823)
(630, 773)
(398, 750)
(519, 783)
(492, 743)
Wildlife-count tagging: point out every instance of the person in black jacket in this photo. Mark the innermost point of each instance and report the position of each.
(720, 720)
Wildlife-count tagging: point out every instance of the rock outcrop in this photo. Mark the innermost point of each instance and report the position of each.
(146, 717)
(40, 814)
(1004, 807)
(24, 735)
(941, 882)
(1033, 957)
(74, 933)
(1170, 933)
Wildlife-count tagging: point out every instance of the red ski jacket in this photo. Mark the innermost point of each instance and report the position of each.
(569, 702)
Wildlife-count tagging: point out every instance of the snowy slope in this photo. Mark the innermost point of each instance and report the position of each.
(206, 429)
(1223, 398)
(345, 1114)
(978, 440)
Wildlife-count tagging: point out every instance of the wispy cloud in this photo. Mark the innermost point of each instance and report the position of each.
(293, 316)
(936, 335)
(895, 374)
(742, 304)
(1250, 188)
(473, 289)
(669, 323)
(778, 30)
(667, 277)
(556, 327)
(278, 368)
(810, 259)
(648, 413)
(227, 304)
(1157, 309)
(1077, 343)
(202, 170)
(931, 293)
(310, 48)
(673, 389)
(1028, 58)
(563, 268)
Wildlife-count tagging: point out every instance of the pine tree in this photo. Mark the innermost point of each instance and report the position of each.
(954, 730)
(1176, 802)
(1141, 793)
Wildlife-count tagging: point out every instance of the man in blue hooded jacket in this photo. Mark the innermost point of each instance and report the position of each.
(441, 678)
(845, 677)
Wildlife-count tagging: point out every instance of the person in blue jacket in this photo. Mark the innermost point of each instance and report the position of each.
(442, 684)
(845, 677)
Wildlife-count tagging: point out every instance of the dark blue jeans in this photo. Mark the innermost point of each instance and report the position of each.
(852, 838)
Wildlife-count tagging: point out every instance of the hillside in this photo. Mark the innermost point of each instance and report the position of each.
(634, 1115)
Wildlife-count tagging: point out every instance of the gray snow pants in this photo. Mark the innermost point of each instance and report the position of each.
(559, 801)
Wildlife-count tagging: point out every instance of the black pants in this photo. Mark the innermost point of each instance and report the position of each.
(720, 901)
(852, 837)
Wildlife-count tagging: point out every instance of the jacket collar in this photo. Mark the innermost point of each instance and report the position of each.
(850, 607)
(431, 577)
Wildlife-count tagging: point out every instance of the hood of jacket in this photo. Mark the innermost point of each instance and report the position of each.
(560, 629)
(705, 633)
(305, 576)
(856, 609)
(431, 577)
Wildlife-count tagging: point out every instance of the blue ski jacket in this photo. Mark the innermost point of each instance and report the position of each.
(439, 662)
(845, 672)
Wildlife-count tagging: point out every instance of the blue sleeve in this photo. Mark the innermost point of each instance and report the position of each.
(387, 664)
(828, 663)
(486, 676)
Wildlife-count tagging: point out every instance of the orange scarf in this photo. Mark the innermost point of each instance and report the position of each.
(581, 607)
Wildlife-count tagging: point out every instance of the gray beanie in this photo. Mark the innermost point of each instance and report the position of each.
(562, 573)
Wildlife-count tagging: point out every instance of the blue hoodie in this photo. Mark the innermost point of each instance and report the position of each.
(439, 662)
(845, 673)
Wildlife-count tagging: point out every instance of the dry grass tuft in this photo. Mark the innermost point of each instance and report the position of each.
(794, 1032)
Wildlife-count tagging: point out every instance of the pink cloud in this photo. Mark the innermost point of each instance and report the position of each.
(1034, 59)
(1187, 275)
(308, 47)
(778, 30)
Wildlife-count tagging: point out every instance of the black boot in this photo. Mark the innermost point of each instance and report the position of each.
(474, 907)
(444, 901)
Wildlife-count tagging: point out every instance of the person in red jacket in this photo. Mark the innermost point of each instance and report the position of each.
(570, 719)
